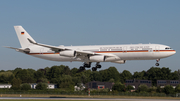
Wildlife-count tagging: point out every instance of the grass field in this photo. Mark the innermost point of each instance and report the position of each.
(78, 96)
(46, 100)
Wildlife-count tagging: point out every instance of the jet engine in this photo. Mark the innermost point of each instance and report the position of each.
(68, 53)
(102, 58)
(112, 58)
(97, 58)
(120, 61)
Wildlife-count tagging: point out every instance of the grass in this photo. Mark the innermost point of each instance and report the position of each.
(83, 96)
(46, 100)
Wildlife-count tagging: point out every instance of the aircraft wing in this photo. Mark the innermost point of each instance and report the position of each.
(19, 49)
(55, 48)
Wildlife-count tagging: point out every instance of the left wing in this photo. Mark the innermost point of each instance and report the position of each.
(79, 52)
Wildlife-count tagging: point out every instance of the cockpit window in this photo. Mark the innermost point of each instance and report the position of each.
(167, 48)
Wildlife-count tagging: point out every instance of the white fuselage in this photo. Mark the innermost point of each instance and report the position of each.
(88, 54)
(124, 52)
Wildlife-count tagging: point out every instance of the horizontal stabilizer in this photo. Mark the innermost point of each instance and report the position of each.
(27, 50)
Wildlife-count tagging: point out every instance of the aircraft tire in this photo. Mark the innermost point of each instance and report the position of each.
(98, 66)
(82, 68)
(94, 68)
(157, 64)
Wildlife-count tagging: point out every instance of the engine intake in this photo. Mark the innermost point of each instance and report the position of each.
(68, 53)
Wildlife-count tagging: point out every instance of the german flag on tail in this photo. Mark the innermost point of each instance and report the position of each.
(22, 33)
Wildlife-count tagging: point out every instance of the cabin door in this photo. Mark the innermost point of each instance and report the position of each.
(125, 49)
(157, 49)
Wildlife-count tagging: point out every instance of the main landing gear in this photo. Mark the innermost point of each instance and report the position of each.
(157, 60)
(97, 66)
(88, 65)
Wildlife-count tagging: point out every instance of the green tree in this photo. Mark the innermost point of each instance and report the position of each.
(6, 77)
(66, 82)
(84, 78)
(177, 89)
(95, 76)
(125, 75)
(142, 88)
(111, 80)
(140, 75)
(25, 86)
(76, 80)
(159, 89)
(156, 73)
(16, 84)
(16, 70)
(168, 89)
(41, 86)
(129, 87)
(43, 80)
(73, 72)
(109, 73)
(152, 89)
(113, 73)
(66, 70)
(55, 72)
(25, 76)
(87, 73)
(104, 75)
(40, 73)
(119, 87)
(174, 76)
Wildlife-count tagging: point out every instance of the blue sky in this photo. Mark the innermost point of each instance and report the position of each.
(90, 22)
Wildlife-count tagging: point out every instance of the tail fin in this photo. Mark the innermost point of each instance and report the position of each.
(23, 36)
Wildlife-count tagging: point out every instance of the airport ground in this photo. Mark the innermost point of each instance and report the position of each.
(49, 97)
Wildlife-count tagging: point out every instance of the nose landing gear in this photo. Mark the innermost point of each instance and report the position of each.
(157, 64)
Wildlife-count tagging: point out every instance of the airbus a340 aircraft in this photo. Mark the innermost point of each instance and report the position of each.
(88, 54)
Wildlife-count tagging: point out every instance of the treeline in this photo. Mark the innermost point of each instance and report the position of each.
(67, 78)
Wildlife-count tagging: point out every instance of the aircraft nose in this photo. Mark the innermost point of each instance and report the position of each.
(170, 53)
(174, 52)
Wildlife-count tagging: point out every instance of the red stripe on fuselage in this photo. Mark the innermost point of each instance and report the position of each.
(128, 51)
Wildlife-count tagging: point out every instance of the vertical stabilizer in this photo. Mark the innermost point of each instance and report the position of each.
(23, 36)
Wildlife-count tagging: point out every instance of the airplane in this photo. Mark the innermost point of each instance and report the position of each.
(88, 54)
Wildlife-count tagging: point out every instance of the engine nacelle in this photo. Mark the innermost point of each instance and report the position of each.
(97, 58)
(109, 59)
(102, 58)
(68, 53)
(120, 61)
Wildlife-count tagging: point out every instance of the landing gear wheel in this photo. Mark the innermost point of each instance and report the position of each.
(87, 65)
(82, 68)
(98, 66)
(94, 69)
(157, 64)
